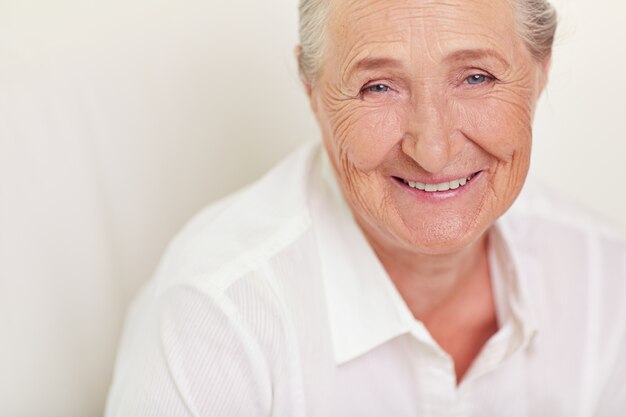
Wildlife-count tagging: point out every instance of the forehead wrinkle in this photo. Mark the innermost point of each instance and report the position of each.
(385, 42)
(420, 32)
(372, 64)
(429, 42)
(417, 15)
(362, 51)
(361, 18)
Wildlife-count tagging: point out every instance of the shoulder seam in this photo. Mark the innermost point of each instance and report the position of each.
(251, 259)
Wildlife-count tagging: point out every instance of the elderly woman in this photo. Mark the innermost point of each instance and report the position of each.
(377, 275)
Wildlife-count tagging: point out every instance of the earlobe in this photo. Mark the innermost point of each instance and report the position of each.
(297, 51)
(309, 90)
(312, 97)
(546, 63)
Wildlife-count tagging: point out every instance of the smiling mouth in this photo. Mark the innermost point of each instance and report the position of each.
(442, 186)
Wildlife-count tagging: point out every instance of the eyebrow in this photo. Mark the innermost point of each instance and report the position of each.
(476, 54)
(373, 63)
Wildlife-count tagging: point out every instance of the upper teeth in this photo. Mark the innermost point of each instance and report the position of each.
(442, 186)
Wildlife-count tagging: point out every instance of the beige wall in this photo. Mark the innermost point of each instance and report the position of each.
(120, 119)
(580, 135)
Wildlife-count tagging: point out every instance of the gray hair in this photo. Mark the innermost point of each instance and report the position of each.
(538, 21)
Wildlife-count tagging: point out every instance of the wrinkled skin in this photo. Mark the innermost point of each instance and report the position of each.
(395, 99)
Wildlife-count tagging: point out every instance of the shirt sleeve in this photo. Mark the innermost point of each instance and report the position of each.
(189, 355)
(613, 397)
(612, 400)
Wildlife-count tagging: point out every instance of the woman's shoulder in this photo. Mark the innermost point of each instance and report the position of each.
(567, 244)
(571, 262)
(229, 237)
(215, 314)
(570, 257)
(553, 215)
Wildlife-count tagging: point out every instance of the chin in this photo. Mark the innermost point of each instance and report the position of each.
(443, 238)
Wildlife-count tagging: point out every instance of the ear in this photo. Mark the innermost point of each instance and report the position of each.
(307, 84)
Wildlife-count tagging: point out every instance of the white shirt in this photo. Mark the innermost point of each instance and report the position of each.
(272, 303)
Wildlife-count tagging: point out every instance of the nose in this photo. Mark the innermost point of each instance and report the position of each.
(428, 138)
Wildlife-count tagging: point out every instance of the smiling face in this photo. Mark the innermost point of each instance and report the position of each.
(425, 109)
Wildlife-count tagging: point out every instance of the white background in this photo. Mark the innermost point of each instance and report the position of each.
(120, 119)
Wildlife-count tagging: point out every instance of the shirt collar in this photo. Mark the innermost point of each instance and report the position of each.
(364, 307)
(513, 272)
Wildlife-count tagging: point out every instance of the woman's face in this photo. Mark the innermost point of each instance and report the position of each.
(425, 109)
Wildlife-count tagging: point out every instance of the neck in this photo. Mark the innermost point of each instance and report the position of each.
(450, 293)
(429, 282)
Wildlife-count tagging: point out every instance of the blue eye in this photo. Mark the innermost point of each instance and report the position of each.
(477, 79)
(377, 88)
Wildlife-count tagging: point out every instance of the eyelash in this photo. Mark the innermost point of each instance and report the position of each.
(369, 88)
(485, 77)
(384, 88)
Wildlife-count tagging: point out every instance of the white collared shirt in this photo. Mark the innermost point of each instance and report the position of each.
(272, 303)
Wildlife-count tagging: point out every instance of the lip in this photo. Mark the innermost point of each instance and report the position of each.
(439, 195)
(437, 180)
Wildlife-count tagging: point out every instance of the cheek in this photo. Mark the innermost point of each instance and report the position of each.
(501, 126)
(363, 134)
